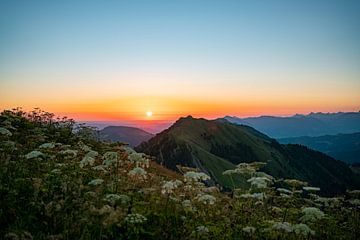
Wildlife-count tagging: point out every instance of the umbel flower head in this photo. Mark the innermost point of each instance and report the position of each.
(34, 154)
(135, 218)
(206, 199)
(192, 176)
(170, 186)
(311, 214)
(96, 182)
(138, 172)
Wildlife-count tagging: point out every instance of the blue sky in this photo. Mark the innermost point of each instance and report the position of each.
(193, 49)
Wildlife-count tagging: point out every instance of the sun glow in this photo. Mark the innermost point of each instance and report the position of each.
(149, 113)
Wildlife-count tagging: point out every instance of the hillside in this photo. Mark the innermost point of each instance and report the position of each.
(344, 147)
(313, 124)
(216, 146)
(132, 136)
(57, 183)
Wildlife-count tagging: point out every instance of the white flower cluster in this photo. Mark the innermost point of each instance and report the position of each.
(311, 214)
(110, 158)
(259, 182)
(188, 206)
(202, 230)
(299, 229)
(282, 226)
(192, 176)
(96, 182)
(135, 218)
(169, 186)
(47, 145)
(138, 173)
(69, 153)
(249, 230)
(284, 191)
(311, 189)
(139, 160)
(34, 154)
(258, 196)
(295, 183)
(113, 198)
(206, 199)
(87, 160)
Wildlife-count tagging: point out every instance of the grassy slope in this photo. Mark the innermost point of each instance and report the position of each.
(200, 136)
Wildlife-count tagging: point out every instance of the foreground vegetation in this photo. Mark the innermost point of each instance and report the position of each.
(58, 182)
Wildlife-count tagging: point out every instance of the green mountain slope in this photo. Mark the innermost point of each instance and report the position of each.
(215, 146)
(344, 147)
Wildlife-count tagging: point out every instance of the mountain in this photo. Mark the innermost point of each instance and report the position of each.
(215, 146)
(313, 124)
(344, 147)
(132, 136)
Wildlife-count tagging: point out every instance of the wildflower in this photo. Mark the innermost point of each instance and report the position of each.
(282, 226)
(5, 132)
(302, 229)
(8, 144)
(202, 229)
(187, 205)
(135, 218)
(139, 160)
(110, 158)
(276, 209)
(129, 150)
(84, 147)
(284, 191)
(355, 202)
(87, 160)
(170, 186)
(245, 168)
(206, 199)
(69, 153)
(138, 172)
(258, 196)
(328, 202)
(47, 145)
(192, 176)
(92, 154)
(56, 171)
(96, 182)
(259, 182)
(249, 230)
(311, 189)
(99, 168)
(311, 214)
(264, 175)
(34, 154)
(11, 236)
(90, 194)
(295, 183)
(113, 198)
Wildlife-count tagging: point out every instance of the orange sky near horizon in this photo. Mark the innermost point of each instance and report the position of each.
(170, 108)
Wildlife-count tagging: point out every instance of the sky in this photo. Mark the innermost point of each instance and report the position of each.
(117, 60)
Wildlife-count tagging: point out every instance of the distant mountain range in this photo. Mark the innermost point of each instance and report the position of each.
(132, 136)
(214, 146)
(344, 147)
(313, 124)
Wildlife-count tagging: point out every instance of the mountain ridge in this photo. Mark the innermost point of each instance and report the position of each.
(215, 146)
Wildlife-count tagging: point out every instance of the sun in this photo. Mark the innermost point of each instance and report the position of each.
(149, 113)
